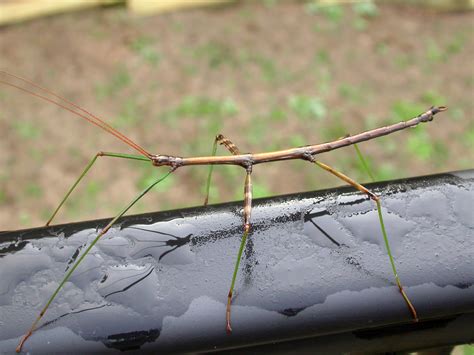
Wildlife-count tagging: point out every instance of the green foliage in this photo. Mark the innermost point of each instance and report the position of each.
(33, 190)
(193, 106)
(456, 113)
(387, 171)
(457, 43)
(432, 98)
(212, 111)
(421, 145)
(307, 107)
(3, 197)
(26, 130)
(277, 114)
(24, 218)
(143, 46)
(434, 52)
(260, 190)
(404, 60)
(333, 13)
(468, 138)
(360, 24)
(366, 9)
(270, 3)
(297, 140)
(92, 189)
(404, 110)
(216, 54)
(256, 133)
(129, 114)
(119, 80)
(150, 174)
(351, 93)
(322, 57)
(269, 69)
(334, 128)
(381, 48)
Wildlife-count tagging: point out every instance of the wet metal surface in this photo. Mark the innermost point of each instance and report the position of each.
(315, 264)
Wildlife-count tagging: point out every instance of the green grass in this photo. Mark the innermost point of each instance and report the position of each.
(129, 115)
(352, 93)
(322, 57)
(433, 98)
(216, 54)
(468, 138)
(3, 197)
(144, 47)
(26, 130)
(457, 43)
(468, 349)
(119, 80)
(307, 107)
(364, 12)
(33, 190)
(434, 53)
(333, 13)
(24, 218)
(422, 146)
(403, 110)
(334, 128)
(149, 174)
(193, 106)
(211, 111)
(366, 9)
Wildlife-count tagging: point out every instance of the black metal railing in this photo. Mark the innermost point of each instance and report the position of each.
(315, 275)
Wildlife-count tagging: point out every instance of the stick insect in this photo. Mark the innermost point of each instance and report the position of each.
(246, 161)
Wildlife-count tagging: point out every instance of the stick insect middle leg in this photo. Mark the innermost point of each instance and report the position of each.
(232, 148)
(376, 199)
(247, 212)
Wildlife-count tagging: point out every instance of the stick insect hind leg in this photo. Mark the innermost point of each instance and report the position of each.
(376, 199)
(86, 170)
(86, 251)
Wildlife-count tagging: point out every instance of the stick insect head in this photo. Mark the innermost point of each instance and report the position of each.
(428, 115)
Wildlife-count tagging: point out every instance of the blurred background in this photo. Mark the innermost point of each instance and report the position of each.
(267, 74)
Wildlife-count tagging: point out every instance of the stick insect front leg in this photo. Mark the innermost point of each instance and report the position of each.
(86, 170)
(231, 147)
(88, 249)
(376, 199)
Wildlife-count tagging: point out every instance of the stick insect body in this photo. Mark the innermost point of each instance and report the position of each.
(246, 161)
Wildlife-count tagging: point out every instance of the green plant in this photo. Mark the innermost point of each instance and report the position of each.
(307, 107)
(26, 130)
(143, 46)
(119, 80)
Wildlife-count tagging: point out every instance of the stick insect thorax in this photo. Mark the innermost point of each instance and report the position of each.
(305, 152)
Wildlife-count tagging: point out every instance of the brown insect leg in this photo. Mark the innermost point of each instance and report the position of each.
(247, 212)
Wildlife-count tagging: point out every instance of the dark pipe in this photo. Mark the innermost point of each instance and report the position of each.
(315, 276)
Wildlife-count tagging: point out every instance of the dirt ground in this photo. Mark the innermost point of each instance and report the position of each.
(269, 75)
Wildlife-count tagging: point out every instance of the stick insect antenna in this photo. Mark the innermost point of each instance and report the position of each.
(63, 103)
